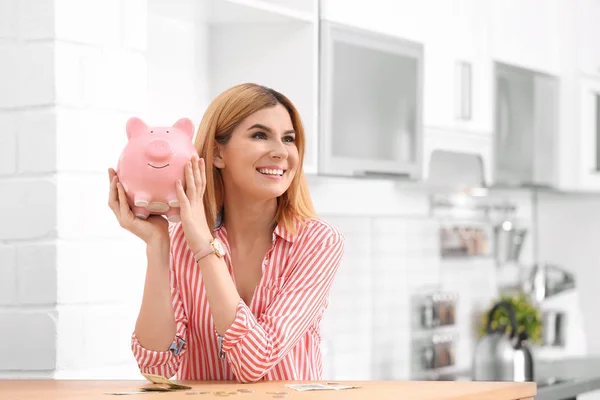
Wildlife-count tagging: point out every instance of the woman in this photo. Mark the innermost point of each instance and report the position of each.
(242, 301)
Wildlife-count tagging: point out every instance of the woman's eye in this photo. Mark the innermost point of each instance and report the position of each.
(289, 139)
(259, 135)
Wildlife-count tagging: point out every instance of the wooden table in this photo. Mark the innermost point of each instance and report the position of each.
(370, 390)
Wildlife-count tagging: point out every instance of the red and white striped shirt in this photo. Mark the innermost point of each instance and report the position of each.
(277, 336)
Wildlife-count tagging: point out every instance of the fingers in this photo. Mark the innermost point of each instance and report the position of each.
(123, 205)
(197, 173)
(184, 203)
(189, 180)
(113, 196)
(199, 169)
(202, 180)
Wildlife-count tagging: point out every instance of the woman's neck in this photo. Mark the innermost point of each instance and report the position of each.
(249, 222)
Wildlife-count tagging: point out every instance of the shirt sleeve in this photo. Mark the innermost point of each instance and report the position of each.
(254, 346)
(165, 363)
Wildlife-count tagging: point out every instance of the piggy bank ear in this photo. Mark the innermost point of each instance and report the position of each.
(135, 127)
(186, 126)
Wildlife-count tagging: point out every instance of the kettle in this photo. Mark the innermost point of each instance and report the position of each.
(499, 357)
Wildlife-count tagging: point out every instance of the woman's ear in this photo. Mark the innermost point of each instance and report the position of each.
(217, 158)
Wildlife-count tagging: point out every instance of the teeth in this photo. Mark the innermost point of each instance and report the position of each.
(266, 171)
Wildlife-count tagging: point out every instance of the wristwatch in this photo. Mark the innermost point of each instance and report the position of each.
(216, 246)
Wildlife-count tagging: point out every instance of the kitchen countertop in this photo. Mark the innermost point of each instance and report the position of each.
(557, 379)
(581, 374)
(380, 390)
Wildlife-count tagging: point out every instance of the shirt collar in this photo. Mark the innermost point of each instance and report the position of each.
(284, 233)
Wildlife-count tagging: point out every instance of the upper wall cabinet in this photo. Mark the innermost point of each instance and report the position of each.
(526, 127)
(371, 103)
(590, 129)
(525, 32)
(198, 49)
(580, 135)
(458, 67)
(588, 34)
(399, 18)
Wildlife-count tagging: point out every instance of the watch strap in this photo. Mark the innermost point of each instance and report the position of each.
(203, 252)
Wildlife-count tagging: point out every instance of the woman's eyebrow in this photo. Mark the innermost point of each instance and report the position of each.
(266, 128)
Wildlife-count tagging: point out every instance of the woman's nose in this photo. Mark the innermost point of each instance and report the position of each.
(279, 151)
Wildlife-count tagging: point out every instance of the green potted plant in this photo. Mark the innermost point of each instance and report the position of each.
(529, 317)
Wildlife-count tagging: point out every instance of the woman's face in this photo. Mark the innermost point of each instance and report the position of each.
(261, 158)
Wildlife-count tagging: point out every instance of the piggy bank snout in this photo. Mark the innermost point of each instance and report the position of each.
(159, 150)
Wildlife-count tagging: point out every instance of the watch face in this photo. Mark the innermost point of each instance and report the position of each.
(219, 248)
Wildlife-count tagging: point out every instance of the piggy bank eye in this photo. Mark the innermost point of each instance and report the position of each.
(151, 131)
(167, 131)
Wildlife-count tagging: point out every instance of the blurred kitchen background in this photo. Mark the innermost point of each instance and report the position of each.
(455, 143)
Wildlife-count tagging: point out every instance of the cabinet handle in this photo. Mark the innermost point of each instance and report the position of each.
(378, 174)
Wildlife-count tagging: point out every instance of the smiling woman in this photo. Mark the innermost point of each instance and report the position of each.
(236, 290)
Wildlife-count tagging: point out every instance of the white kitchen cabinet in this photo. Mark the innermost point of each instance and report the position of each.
(458, 67)
(196, 50)
(371, 103)
(588, 34)
(400, 18)
(525, 32)
(577, 160)
(526, 127)
(589, 129)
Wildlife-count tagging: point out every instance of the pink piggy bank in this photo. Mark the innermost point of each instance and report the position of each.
(150, 164)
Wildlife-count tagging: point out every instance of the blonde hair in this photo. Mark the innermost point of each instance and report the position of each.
(220, 119)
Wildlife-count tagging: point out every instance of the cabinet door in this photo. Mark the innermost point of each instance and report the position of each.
(590, 134)
(588, 32)
(526, 127)
(371, 103)
(545, 129)
(525, 33)
(408, 19)
(458, 68)
(513, 137)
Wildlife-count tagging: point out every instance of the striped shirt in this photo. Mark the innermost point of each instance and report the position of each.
(277, 336)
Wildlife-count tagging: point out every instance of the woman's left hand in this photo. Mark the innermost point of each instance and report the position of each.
(191, 211)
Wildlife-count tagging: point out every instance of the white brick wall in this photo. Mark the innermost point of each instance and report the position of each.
(8, 275)
(28, 320)
(72, 73)
(8, 144)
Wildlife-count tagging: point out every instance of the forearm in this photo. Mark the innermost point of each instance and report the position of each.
(222, 295)
(155, 326)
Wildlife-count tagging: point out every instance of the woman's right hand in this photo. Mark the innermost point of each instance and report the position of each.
(152, 230)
